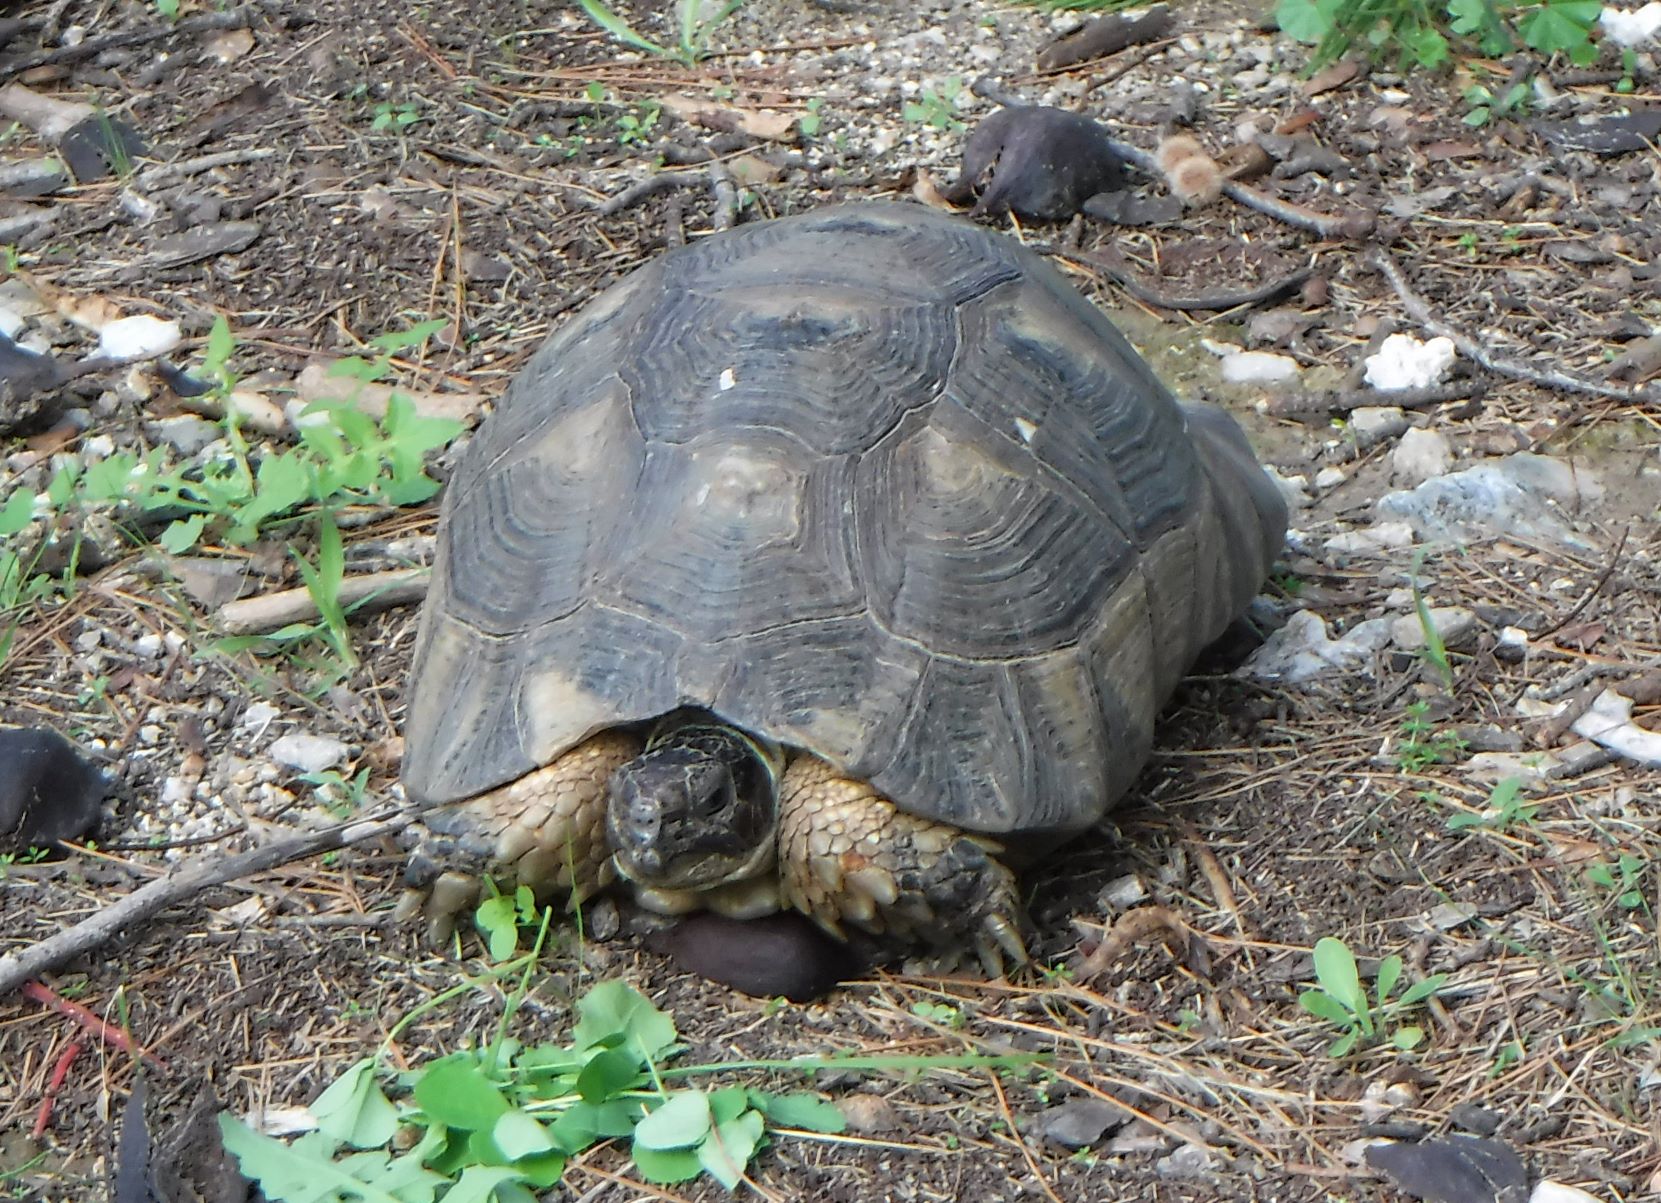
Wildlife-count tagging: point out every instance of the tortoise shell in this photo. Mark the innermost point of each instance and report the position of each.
(872, 482)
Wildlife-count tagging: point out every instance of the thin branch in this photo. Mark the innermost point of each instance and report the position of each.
(1500, 365)
(239, 18)
(183, 883)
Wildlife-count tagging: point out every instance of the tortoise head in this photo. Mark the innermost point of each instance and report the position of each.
(698, 808)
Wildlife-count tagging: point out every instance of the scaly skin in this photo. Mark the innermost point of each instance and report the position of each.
(846, 855)
(546, 830)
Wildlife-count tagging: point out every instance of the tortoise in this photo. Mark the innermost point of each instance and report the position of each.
(841, 562)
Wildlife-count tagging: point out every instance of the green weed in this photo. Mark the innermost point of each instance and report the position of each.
(390, 116)
(1623, 878)
(937, 110)
(1505, 810)
(1342, 1001)
(344, 457)
(810, 121)
(1485, 106)
(505, 1119)
(695, 24)
(1425, 33)
(1421, 744)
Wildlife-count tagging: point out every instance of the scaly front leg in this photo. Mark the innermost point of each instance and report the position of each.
(848, 855)
(546, 830)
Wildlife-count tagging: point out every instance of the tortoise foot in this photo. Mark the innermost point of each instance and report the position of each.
(545, 830)
(849, 856)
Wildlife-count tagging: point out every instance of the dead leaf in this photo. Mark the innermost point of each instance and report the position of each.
(1335, 76)
(748, 170)
(1450, 149)
(229, 45)
(868, 1113)
(1453, 1169)
(1583, 635)
(768, 124)
(923, 188)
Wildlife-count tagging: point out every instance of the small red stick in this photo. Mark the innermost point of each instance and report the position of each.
(60, 1071)
(113, 1036)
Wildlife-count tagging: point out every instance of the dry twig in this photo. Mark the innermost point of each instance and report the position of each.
(183, 883)
(1500, 365)
(367, 593)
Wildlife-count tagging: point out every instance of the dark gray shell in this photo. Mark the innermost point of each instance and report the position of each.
(872, 481)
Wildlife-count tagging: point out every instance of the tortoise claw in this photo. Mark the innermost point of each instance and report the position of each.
(1000, 937)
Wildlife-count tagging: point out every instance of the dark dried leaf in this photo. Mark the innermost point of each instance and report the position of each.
(1606, 135)
(1453, 1169)
(783, 954)
(202, 242)
(99, 146)
(1043, 163)
(132, 1153)
(1081, 1122)
(48, 791)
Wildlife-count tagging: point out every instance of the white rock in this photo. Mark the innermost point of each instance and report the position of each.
(1295, 489)
(185, 433)
(10, 322)
(175, 791)
(1608, 723)
(149, 645)
(1455, 624)
(1491, 768)
(258, 716)
(1259, 367)
(1380, 536)
(1631, 27)
(1449, 915)
(1547, 1191)
(1329, 478)
(1372, 424)
(138, 337)
(308, 753)
(1402, 361)
(1421, 455)
(1517, 495)
(1303, 649)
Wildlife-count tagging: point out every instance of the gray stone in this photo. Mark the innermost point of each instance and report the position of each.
(308, 753)
(1372, 424)
(1303, 650)
(1456, 625)
(1420, 456)
(1380, 536)
(1522, 495)
(185, 434)
(1188, 1161)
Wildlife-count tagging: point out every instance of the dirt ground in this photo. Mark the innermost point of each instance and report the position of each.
(406, 162)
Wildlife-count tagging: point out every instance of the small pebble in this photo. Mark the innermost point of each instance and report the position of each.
(1080, 1122)
(1372, 424)
(1122, 893)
